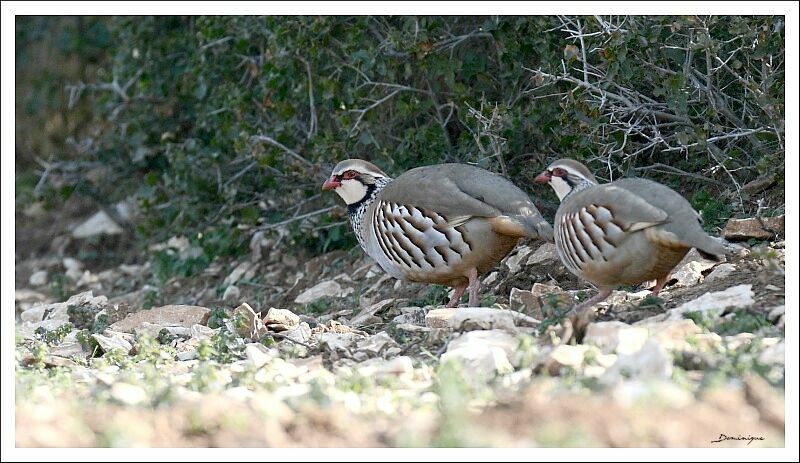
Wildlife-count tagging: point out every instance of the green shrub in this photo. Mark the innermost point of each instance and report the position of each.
(224, 124)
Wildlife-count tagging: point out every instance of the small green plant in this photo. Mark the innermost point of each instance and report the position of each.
(651, 302)
(742, 321)
(318, 307)
(217, 317)
(39, 351)
(150, 299)
(436, 295)
(89, 343)
(149, 349)
(713, 210)
(165, 337)
(226, 345)
(59, 286)
(56, 336)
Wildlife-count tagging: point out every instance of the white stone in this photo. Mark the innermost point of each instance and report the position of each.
(691, 273)
(470, 318)
(714, 304)
(328, 288)
(38, 278)
(671, 334)
(651, 392)
(616, 337)
(774, 314)
(73, 267)
(128, 394)
(187, 355)
(257, 354)
(774, 355)
(651, 361)
(301, 333)
(114, 342)
(231, 293)
(370, 311)
(334, 342)
(721, 272)
(285, 318)
(98, 224)
(377, 344)
(483, 354)
(237, 273)
(514, 262)
(544, 254)
(489, 280)
(34, 315)
(201, 331)
(401, 367)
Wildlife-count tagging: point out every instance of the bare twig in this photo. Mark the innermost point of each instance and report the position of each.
(283, 336)
(215, 43)
(312, 122)
(270, 226)
(277, 144)
(364, 111)
(659, 167)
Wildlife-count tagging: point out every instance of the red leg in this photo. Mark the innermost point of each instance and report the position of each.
(660, 284)
(456, 296)
(474, 287)
(577, 319)
(599, 297)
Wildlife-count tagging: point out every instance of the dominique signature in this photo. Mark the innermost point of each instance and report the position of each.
(749, 439)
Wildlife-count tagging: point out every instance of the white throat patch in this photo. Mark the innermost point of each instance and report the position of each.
(352, 191)
(561, 187)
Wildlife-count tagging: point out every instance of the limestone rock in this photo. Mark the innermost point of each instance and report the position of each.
(128, 394)
(98, 224)
(721, 272)
(370, 311)
(257, 354)
(579, 358)
(470, 318)
(483, 354)
(744, 229)
(324, 289)
(400, 367)
(248, 323)
(38, 278)
(671, 334)
(651, 361)
(231, 293)
(515, 261)
(281, 319)
(616, 337)
(113, 342)
(714, 304)
(544, 254)
(168, 315)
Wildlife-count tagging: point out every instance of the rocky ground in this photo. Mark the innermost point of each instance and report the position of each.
(272, 349)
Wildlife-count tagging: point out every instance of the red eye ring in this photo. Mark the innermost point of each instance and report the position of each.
(349, 174)
(559, 172)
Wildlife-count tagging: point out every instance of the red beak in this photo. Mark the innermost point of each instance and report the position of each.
(544, 177)
(331, 184)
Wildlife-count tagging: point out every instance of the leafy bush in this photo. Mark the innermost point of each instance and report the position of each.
(232, 123)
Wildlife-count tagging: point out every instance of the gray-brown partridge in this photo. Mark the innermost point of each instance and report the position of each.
(442, 224)
(621, 233)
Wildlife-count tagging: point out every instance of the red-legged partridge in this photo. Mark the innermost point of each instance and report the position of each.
(621, 233)
(442, 224)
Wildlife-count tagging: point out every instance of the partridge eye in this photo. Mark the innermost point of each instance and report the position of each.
(559, 172)
(350, 174)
